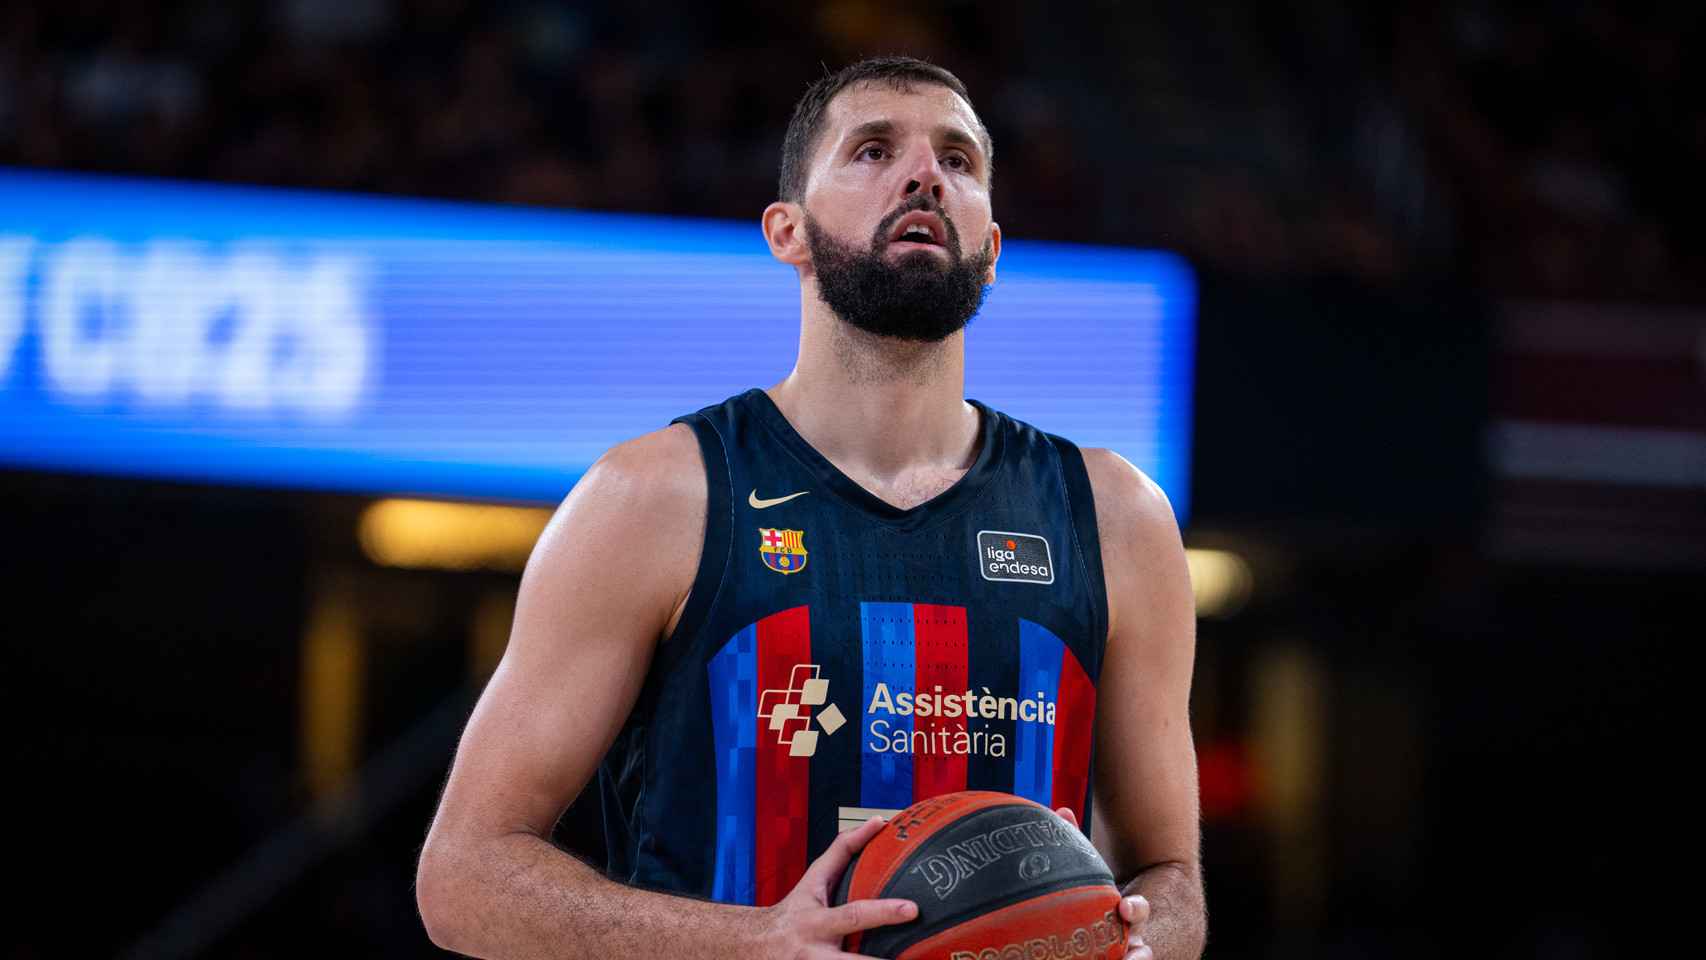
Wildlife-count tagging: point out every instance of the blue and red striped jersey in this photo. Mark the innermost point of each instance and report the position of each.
(840, 657)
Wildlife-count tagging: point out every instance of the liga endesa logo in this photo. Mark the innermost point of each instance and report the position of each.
(1014, 557)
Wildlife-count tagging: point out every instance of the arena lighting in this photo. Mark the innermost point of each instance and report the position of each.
(430, 534)
(333, 664)
(1220, 581)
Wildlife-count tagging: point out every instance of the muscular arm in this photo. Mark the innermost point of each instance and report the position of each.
(490, 882)
(1146, 819)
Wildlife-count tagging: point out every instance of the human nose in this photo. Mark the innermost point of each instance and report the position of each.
(925, 175)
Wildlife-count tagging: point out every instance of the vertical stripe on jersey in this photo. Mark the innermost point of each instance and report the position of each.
(888, 641)
(1040, 655)
(761, 790)
(783, 782)
(733, 679)
(1074, 722)
(940, 655)
(994, 669)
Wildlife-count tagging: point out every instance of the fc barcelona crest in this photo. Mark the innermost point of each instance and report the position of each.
(784, 551)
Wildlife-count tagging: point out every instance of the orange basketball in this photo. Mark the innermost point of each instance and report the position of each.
(995, 877)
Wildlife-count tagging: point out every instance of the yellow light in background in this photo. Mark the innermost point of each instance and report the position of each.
(1220, 581)
(1289, 724)
(334, 664)
(430, 534)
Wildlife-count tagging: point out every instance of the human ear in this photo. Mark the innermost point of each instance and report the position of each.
(784, 230)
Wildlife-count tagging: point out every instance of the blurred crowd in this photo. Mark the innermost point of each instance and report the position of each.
(1538, 149)
(1572, 142)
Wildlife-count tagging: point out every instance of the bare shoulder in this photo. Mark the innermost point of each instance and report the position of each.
(644, 497)
(1131, 509)
(655, 470)
(654, 480)
(1143, 558)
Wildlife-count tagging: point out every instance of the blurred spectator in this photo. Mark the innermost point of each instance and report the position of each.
(1546, 152)
(1561, 126)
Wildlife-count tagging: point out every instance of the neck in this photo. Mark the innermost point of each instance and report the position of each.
(874, 405)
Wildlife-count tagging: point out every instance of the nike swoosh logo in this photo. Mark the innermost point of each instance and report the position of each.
(757, 504)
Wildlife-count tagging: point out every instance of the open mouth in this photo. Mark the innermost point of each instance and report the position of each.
(917, 233)
(919, 228)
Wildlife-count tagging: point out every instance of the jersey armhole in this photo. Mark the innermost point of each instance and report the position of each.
(1082, 503)
(719, 522)
(625, 775)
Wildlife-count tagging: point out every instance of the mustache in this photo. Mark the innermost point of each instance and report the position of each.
(928, 204)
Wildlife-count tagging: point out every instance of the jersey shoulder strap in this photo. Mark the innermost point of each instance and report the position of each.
(1081, 503)
(717, 542)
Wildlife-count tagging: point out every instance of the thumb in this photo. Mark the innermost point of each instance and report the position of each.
(825, 871)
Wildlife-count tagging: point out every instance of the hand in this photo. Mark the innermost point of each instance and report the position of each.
(803, 926)
(1134, 910)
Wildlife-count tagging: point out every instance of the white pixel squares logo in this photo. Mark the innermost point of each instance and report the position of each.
(789, 711)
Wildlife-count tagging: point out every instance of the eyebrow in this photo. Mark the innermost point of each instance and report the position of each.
(886, 128)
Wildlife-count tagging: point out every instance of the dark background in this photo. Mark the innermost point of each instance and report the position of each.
(1446, 721)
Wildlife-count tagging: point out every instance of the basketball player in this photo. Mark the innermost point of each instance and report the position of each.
(784, 616)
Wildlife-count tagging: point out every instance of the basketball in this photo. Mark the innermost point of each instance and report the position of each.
(995, 877)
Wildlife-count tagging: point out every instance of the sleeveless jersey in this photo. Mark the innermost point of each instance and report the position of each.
(840, 657)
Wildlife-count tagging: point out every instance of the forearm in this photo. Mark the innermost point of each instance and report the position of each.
(1178, 917)
(520, 897)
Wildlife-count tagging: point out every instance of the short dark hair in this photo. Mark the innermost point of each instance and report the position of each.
(806, 126)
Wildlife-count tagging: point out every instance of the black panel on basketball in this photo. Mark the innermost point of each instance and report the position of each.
(986, 859)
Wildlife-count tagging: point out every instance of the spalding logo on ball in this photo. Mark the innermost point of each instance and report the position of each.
(995, 877)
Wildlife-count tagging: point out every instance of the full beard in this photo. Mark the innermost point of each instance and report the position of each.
(915, 298)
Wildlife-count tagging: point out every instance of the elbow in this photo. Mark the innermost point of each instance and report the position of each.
(438, 898)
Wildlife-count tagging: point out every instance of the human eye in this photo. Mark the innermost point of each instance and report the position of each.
(957, 161)
(868, 149)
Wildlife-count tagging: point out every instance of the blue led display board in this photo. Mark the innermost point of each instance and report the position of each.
(379, 345)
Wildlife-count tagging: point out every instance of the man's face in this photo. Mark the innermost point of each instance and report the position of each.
(897, 211)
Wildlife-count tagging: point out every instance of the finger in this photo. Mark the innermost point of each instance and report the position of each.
(1066, 814)
(1139, 952)
(1134, 910)
(825, 871)
(863, 915)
